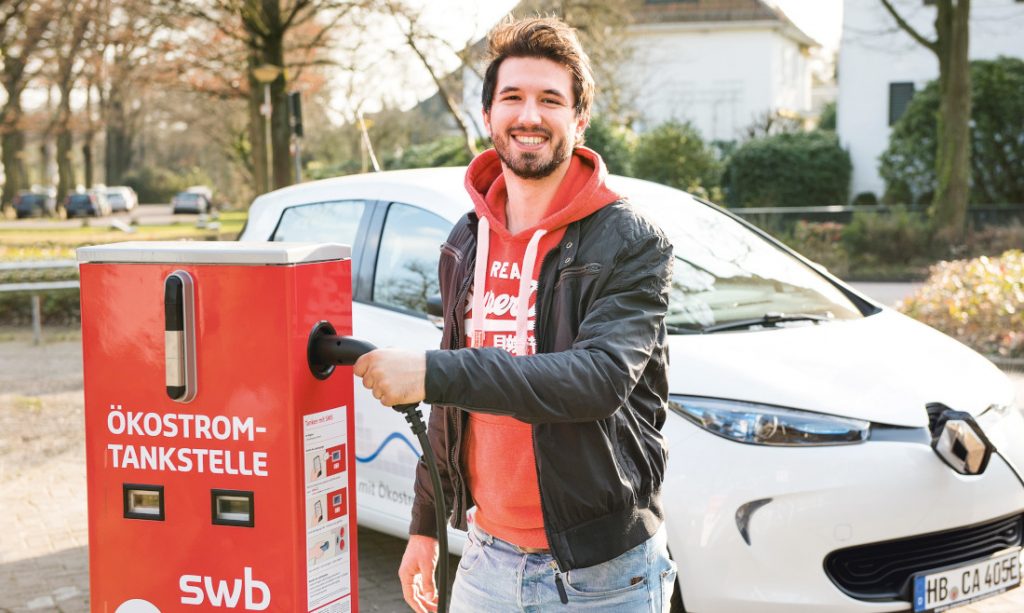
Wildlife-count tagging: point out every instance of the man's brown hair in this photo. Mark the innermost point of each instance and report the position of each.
(540, 37)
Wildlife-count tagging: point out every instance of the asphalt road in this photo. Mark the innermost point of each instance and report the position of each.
(147, 214)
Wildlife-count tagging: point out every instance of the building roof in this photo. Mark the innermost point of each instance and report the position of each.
(696, 12)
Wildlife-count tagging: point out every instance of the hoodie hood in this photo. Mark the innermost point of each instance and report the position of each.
(582, 192)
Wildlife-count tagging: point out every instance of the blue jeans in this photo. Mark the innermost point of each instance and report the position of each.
(497, 577)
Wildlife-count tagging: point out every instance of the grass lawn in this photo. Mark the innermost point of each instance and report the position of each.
(61, 242)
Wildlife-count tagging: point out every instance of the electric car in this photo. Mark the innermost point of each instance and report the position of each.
(826, 453)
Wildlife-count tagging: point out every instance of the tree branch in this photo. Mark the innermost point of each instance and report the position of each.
(932, 45)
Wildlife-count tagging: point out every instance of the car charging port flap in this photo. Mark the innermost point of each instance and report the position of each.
(179, 336)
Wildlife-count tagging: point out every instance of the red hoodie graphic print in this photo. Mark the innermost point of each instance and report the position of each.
(501, 312)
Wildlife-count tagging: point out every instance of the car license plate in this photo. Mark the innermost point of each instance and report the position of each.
(939, 590)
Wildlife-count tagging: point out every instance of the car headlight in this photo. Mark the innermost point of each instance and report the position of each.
(761, 424)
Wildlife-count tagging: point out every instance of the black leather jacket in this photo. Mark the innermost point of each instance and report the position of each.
(595, 392)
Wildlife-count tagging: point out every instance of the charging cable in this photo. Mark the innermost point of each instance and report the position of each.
(325, 350)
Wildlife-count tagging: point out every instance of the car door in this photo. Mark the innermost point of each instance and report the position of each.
(397, 276)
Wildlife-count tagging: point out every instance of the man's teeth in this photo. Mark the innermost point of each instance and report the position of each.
(530, 140)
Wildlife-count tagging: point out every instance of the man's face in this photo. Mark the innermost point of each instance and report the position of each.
(532, 121)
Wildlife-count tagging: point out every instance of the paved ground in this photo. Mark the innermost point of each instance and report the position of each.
(145, 214)
(43, 535)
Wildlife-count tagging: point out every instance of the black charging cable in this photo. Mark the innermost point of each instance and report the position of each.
(326, 350)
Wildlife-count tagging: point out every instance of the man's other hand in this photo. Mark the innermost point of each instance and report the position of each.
(417, 573)
(395, 376)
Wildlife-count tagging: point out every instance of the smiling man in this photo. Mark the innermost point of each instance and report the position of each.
(550, 389)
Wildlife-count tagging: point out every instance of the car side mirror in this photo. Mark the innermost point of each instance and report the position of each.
(434, 307)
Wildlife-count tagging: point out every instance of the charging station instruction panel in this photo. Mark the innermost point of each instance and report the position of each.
(328, 572)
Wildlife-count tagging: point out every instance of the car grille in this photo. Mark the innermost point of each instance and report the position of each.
(883, 571)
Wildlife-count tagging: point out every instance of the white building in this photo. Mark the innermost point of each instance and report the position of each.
(880, 67)
(720, 64)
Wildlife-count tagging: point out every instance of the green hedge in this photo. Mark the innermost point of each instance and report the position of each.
(674, 154)
(796, 169)
(997, 139)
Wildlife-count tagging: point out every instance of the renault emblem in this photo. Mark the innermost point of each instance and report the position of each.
(959, 440)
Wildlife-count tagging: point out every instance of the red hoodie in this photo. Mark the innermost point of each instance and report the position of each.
(500, 465)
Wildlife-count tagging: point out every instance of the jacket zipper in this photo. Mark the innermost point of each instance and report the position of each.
(454, 469)
(541, 316)
(562, 595)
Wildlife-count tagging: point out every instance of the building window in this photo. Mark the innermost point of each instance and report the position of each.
(899, 97)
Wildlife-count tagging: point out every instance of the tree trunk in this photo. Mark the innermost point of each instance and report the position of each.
(262, 19)
(953, 157)
(65, 170)
(87, 160)
(257, 133)
(280, 129)
(118, 154)
(13, 143)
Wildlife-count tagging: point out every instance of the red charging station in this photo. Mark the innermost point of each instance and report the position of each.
(219, 467)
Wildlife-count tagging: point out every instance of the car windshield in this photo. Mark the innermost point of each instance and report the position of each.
(727, 277)
(187, 196)
(115, 198)
(80, 198)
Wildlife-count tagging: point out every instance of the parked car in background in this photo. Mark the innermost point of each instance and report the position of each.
(826, 453)
(190, 201)
(92, 203)
(35, 204)
(122, 198)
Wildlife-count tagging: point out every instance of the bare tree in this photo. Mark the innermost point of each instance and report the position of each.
(426, 46)
(268, 34)
(602, 31)
(953, 157)
(23, 27)
(127, 60)
(72, 26)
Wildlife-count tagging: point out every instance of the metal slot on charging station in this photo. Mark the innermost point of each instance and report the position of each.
(143, 501)
(180, 336)
(233, 508)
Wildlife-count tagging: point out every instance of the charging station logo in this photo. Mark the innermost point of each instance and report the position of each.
(137, 605)
(225, 593)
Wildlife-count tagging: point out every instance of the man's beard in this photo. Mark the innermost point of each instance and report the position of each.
(529, 165)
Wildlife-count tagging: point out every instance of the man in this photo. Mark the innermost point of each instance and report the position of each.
(550, 389)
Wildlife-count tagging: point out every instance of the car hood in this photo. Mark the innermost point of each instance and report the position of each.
(884, 368)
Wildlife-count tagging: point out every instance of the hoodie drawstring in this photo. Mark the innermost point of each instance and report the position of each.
(525, 284)
(483, 245)
(525, 287)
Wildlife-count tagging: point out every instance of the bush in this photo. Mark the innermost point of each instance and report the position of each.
(821, 242)
(799, 169)
(979, 302)
(893, 237)
(159, 185)
(57, 307)
(674, 154)
(997, 139)
(447, 151)
(613, 143)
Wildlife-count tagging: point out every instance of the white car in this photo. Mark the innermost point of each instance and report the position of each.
(122, 198)
(802, 471)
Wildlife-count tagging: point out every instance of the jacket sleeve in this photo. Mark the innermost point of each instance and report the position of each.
(590, 380)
